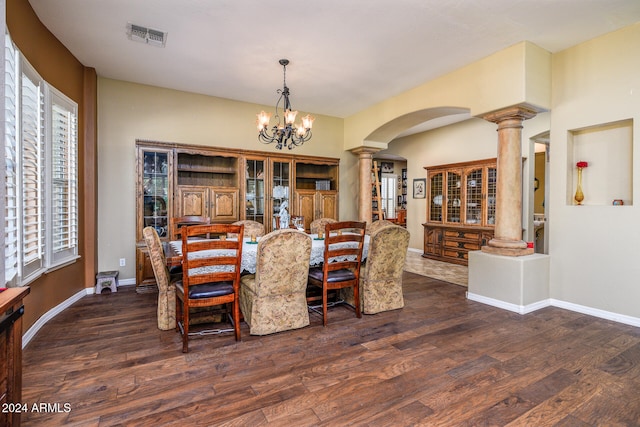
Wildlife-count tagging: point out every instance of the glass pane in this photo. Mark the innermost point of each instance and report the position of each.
(435, 196)
(156, 189)
(474, 197)
(280, 181)
(254, 196)
(491, 195)
(453, 197)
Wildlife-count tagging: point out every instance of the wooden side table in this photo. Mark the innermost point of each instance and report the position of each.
(11, 310)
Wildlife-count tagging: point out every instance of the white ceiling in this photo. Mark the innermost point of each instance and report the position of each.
(346, 55)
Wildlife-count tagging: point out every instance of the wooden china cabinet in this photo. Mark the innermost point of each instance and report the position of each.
(316, 192)
(154, 202)
(226, 185)
(207, 184)
(461, 209)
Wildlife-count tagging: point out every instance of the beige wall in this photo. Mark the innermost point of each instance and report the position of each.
(594, 249)
(518, 74)
(129, 111)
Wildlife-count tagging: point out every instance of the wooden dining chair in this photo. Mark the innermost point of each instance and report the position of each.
(210, 275)
(343, 244)
(181, 221)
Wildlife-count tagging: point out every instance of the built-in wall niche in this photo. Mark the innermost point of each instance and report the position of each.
(608, 149)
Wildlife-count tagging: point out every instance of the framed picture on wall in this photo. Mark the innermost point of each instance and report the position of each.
(386, 167)
(420, 188)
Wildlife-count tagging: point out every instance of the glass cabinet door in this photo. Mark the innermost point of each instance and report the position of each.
(474, 186)
(254, 194)
(280, 187)
(155, 182)
(492, 173)
(454, 197)
(436, 196)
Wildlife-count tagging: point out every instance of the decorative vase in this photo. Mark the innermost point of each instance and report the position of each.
(579, 197)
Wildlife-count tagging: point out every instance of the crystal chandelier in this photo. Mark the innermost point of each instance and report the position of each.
(288, 134)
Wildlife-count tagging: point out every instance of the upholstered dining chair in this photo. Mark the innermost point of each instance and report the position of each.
(251, 228)
(318, 224)
(210, 274)
(181, 221)
(343, 244)
(274, 298)
(166, 288)
(376, 225)
(381, 276)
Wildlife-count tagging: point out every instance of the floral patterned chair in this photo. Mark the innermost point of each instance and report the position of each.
(251, 228)
(166, 287)
(376, 225)
(381, 276)
(318, 224)
(274, 299)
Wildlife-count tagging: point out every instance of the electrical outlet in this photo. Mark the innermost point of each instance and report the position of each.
(123, 262)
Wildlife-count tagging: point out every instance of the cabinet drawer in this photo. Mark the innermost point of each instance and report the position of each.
(455, 255)
(462, 234)
(467, 246)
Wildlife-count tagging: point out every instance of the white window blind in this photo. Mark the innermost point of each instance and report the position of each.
(41, 173)
(31, 165)
(11, 168)
(388, 185)
(64, 178)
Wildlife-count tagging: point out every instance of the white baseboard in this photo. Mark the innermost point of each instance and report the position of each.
(603, 314)
(520, 309)
(33, 330)
(524, 309)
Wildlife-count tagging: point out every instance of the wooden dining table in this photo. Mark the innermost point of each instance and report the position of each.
(173, 252)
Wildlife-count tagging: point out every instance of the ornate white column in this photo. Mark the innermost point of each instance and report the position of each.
(365, 164)
(508, 229)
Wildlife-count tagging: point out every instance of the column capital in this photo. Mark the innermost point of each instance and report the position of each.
(365, 151)
(517, 112)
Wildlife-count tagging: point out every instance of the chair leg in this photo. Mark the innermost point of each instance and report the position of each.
(324, 306)
(185, 327)
(236, 317)
(356, 300)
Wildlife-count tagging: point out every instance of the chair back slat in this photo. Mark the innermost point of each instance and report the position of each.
(211, 260)
(182, 221)
(343, 239)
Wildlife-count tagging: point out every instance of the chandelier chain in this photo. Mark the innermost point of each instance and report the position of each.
(288, 134)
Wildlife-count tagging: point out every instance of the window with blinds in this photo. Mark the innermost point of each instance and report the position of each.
(11, 165)
(64, 178)
(41, 173)
(31, 159)
(388, 184)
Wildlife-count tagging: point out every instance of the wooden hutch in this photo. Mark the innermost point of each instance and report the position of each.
(461, 209)
(226, 185)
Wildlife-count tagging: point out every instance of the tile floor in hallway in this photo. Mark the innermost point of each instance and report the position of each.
(448, 272)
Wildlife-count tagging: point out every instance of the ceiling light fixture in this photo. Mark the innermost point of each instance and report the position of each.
(288, 135)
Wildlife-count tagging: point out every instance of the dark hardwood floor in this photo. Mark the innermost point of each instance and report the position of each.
(442, 360)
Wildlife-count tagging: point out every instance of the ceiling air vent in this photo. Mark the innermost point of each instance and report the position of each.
(146, 35)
